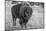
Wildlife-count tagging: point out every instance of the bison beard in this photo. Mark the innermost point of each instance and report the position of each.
(23, 16)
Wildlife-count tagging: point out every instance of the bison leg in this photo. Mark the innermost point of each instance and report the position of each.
(14, 21)
(21, 22)
(25, 23)
(21, 25)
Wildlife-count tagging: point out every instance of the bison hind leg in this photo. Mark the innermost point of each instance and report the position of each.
(14, 21)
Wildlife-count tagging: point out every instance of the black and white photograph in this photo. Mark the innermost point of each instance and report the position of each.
(23, 15)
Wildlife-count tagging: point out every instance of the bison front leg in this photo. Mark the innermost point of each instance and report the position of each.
(22, 26)
(21, 22)
(25, 25)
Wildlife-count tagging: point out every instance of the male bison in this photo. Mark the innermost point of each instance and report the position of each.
(21, 12)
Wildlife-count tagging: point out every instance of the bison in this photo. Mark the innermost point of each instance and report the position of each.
(22, 12)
